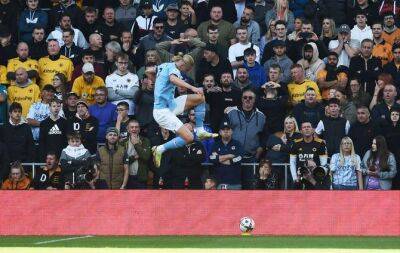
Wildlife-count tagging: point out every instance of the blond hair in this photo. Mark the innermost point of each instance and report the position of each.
(187, 59)
(352, 153)
(296, 127)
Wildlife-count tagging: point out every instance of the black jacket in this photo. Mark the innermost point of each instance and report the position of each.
(315, 12)
(76, 14)
(391, 69)
(303, 113)
(362, 136)
(19, 141)
(87, 128)
(52, 136)
(74, 53)
(368, 74)
(334, 131)
(38, 50)
(4, 162)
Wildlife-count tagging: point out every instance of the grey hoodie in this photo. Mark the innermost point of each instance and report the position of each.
(312, 68)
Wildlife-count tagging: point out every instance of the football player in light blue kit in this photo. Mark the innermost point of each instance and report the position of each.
(166, 106)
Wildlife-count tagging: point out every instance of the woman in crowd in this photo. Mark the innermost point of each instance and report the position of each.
(281, 12)
(346, 167)
(357, 95)
(268, 36)
(378, 166)
(298, 22)
(17, 179)
(328, 32)
(152, 58)
(268, 180)
(60, 84)
(383, 79)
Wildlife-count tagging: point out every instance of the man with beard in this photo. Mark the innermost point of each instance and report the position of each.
(50, 176)
(332, 77)
(85, 85)
(382, 50)
(220, 99)
(90, 22)
(253, 29)
(391, 34)
(212, 63)
(242, 78)
(392, 67)
(363, 131)
(309, 110)
(311, 62)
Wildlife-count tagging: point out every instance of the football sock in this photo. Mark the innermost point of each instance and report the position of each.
(175, 143)
(200, 113)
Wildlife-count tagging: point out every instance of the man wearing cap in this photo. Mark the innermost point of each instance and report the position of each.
(113, 161)
(226, 155)
(280, 58)
(144, 23)
(23, 60)
(86, 85)
(361, 30)
(391, 33)
(24, 91)
(345, 46)
(88, 56)
(212, 63)
(173, 26)
(85, 124)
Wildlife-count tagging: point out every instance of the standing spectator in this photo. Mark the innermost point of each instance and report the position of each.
(391, 67)
(357, 95)
(96, 47)
(138, 150)
(110, 29)
(122, 85)
(60, 85)
(86, 84)
(22, 61)
(188, 15)
(305, 149)
(253, 28)
(70, 105)
(236, 51)
(345, 46)
(243, 118)
(90, 22)
(212, 63)
(391, 33)
(309, 110)
(68, 7)
(53, 130)
(65, 24)
(18, 136)
(382, 50)
(125, 14)
(333, 127)
(378, 166)
(9, 14)
(86, 125)
(332, 77)
(113, 161)
(328, 32)
(280, 58)
(361, 30)
(345, 167)
(242, 80)
(24, 91)
(17, 179)
(122, 120)
(54, 63)
(225, 29)
(281, 11)
(38, 46)
(104, 111)
(268, 179)
(362, 131)
(212, 38)
(311, 62)
(33, 16)
(220, 99)
(173, 25)
(299, 85)
(226, 155)
(88, 57)
(69, 49)
(256, 71)
(144, 23)
(367, 66)
(50, 176)
(7, 46)
(381, 110)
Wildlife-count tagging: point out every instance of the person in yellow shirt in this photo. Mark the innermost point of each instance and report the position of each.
(54, 63)
(3, 75)
(24, 91)
(298, 87)
(86, 85)
(22, 61)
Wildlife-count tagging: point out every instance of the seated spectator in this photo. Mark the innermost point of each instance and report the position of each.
(60, 85)
(345, 167)
(144, 23)
(391, 33)
(378, 166)
(22, 61)
(256, 71)
(242, 80)
(24, 91)
(7, 46)
(69, 7)
(382, 49)
(311, 62)
(38, 46)
(348, 109)
(17, 180)
(85, 85)
(246, 20)
(113, 161)
(88, 57)
(309, 110)
(90, 21)
(281, 11)
(33, 16)
(269, 35)
(381, 110)
(73, 157)
(210, 183)
(268, 179)
(70, 105)
(391, 67)
(125, 13)
(362, 131)
(361, 30)
(188, 15)
(280, 58)
(104, 111)
(212, 38)
(152, 59)
(96, 48)
(49, 177)
(333, 127)
(122, 120)
(85, 124)
(173, 25)
(357, 95)
(112, 50)
(110, 29)
(329, 31)
(69, 49)
(299, 85)
(53, 130)
(18, 136)
(226, 155)
(345, 46)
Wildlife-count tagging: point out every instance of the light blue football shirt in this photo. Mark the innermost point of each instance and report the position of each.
(164, 90)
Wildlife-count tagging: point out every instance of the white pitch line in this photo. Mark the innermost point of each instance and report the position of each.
(64, 239)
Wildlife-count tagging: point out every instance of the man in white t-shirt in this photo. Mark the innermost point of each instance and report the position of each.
(344, 46)
(236, 51)
(122, 85)
(361, 30)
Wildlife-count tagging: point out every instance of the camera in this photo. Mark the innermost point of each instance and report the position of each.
(85, 173)
(305, 35)
(303, 170)
(319, 173)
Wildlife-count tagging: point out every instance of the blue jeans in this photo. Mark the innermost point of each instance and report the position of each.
(344, 187)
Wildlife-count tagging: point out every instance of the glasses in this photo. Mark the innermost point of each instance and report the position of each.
(248, 97)
(158, 27)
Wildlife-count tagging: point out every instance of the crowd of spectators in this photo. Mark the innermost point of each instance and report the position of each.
(309, 83)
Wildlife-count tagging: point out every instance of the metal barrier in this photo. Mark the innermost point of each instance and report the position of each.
(254, 165)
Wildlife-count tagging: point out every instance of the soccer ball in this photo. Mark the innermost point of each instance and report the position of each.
(246, 224)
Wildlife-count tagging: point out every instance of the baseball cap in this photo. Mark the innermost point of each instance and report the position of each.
(83, 102)
(344, 29)
(87, 67)
(112, 130)
(172, 7)
(211, 47)
(69, 94)
(225, 124)
(145, 4)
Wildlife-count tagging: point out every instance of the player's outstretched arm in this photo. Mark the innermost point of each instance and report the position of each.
(180, 83)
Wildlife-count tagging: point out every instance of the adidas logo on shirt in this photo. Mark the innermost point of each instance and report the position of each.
(54, 130)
